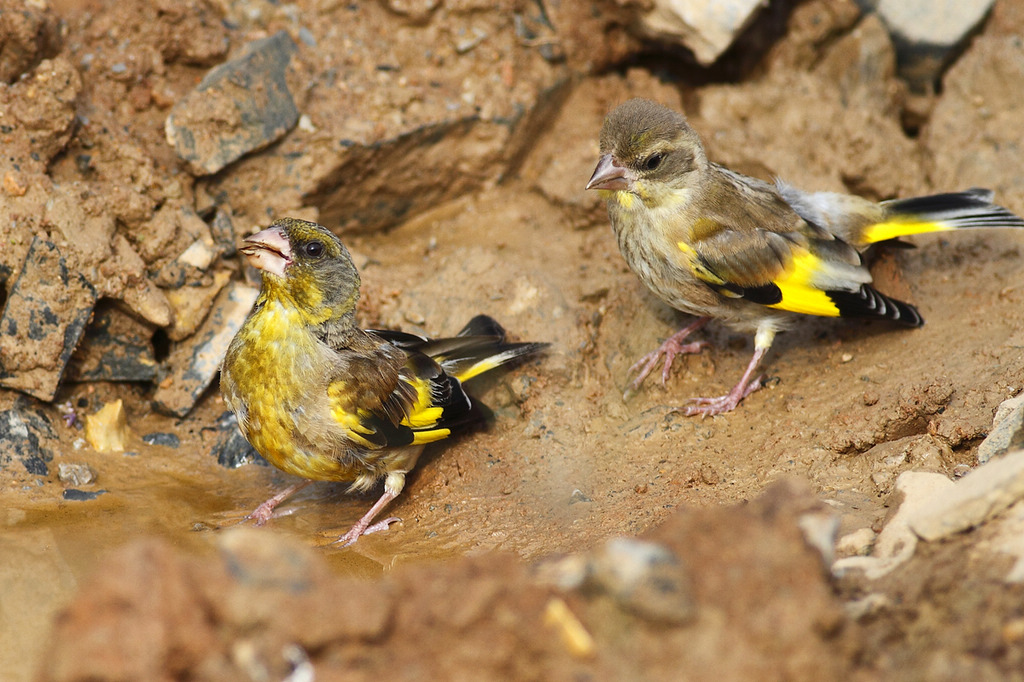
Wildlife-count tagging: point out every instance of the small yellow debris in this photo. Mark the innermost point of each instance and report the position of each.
(1013, 631)
(13, 186)
(107, 430)
(576, 638)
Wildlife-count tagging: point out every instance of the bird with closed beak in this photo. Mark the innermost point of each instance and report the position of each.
(322, 399)
(717, 244)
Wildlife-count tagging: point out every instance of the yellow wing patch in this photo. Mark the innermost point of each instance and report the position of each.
(420, 437)
(354, 427)
(901, 228)
(485, 365)
(422, 418)
(698, 268)
(799, 295)
(422, 413)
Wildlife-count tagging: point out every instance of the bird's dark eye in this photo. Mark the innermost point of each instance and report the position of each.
(653, 161)
(313, 249)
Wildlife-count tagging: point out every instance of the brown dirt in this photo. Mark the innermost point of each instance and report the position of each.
(453, 591)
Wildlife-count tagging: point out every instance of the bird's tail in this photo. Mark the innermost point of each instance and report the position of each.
(478, 348)
(938, 213)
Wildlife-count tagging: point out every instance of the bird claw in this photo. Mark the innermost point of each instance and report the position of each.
(261, 514)
(709, 407)
(670, 348)
(359, 530)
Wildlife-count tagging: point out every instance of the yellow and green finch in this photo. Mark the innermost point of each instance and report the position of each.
(324, 400)
(720, 245)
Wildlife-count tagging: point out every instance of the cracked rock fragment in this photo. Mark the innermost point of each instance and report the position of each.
(46, 314)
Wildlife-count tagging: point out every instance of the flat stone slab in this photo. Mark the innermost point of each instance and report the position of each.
(240, 106)
(194, 363)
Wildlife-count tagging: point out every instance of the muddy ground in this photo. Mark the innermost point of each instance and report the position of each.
(149, 580)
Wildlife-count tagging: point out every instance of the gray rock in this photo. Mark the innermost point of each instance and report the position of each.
(643, 578)
(706, 27)
(1007, 430)
(222, 229)
(115, 347)
(167, 440)
(46, 314)
(928, 34)
(194, 362)
(22, 432)
(76, 495)
(240, 106)
(232, 450)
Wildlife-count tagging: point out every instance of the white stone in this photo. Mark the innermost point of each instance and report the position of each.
(974, 499)
(857, 543)
(1006, 429)
(706, 27)
(897, 542)
(198, 255)
(933, 22)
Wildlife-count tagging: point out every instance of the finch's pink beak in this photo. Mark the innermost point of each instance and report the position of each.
(609, 175)
(268, 250)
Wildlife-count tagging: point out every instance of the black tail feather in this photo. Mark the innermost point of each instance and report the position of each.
(483, 325)
(869, 302)
(971, 209)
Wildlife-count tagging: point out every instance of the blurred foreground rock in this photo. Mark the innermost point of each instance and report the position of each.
(753, 602)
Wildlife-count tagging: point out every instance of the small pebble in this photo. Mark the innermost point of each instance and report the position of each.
(75, 495)
(107, 430)
(76, 474)
(168, 440)
(578, 496)
(857, 543)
